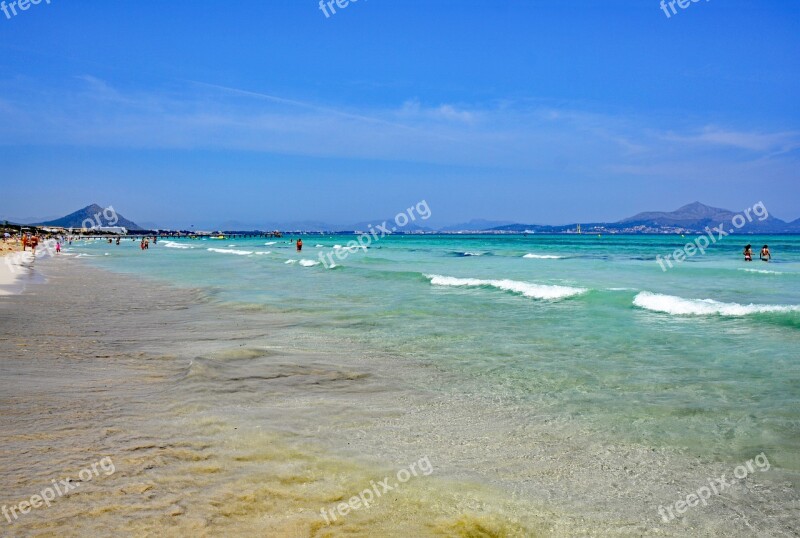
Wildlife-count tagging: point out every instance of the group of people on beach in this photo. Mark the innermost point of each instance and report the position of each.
(32, 241)
(764, 255)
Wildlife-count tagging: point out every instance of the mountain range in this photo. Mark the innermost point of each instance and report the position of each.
(94, 214)
(691, 218)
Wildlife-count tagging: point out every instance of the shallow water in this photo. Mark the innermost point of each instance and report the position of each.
(569, 392)
(702, 356)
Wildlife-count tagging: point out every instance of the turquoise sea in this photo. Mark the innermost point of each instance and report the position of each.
(703, 358)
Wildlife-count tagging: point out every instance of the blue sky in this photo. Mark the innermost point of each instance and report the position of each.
(202, 112)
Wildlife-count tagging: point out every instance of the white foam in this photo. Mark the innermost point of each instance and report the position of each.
(308, 263)
(679, 306)
(290, 261)
(535, 291)
(350, 249)
(762, 271)
(11, 269)
(173, 244)
(231, 251)
(270, 243)
(542, 257)
(263, 253)
(474, 253)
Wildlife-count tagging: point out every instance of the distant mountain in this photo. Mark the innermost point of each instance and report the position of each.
(318, 226)
(477, 225)
(306, 226)
(690, 212)
(697, 216)
(365, 226)
(27, 220)
(95, 214)
(691, 218)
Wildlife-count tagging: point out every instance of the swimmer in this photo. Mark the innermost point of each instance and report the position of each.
(748, 253)
(765, 255)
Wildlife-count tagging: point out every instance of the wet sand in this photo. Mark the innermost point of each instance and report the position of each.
(221, 421)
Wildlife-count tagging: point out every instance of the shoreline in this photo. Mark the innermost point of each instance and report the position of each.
(14, 266)
(269, 391)
(163, 446)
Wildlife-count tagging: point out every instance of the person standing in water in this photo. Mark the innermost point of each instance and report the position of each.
(299, 245)
(765, 255)
(748, 253)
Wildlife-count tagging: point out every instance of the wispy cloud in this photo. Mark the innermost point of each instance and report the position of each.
(90, 112)
(756, 141)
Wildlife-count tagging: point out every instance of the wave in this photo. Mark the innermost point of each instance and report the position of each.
(679, 306)
(304, 262)
(351, 249)
(542, 256)
(762, 271)
(527, 289)
(270, 243)
(230, 251)
(173, 244)
(465, 254)
(263, 253)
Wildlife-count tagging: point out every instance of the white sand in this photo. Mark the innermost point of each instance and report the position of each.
(13, 267)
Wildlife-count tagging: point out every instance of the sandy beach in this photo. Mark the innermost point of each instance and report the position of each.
(219, 421)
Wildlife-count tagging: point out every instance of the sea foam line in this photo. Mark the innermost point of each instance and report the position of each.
(304, 262)
(527, 289)
(231, 251)
(762, 271)
(173, 244)
(679, 306)
(542, 257)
